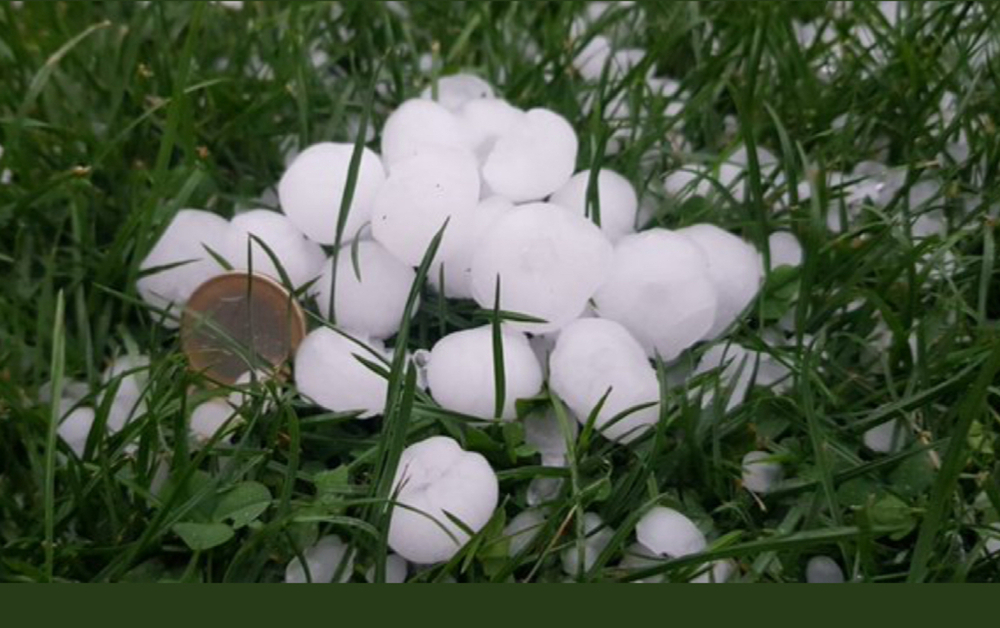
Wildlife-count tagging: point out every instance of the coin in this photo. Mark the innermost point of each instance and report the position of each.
(239, 322)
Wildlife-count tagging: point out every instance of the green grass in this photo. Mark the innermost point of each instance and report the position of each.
(113, 117)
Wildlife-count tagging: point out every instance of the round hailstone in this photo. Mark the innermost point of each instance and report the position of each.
(312, 189)
(420, 194)
(182, 246)
(669, 533)
(458, 89)
(323, 559)
(129, 401)
(75, 428)
(638, 557)
(460, 372)
(660, 290)
(589, 62)
(458, 267)
(760, 474)
(618, 202)
(522, 530)
(550, 261)
(436, 476)
(208, 418)
(417, 124)
(734, 268)
(598, 537)
(785, 250)
(372, 305)
(542, 490)
(823, 570)
(593, 356)
(328, 373)
(395, 570)
(718, 572)
(300, 258)
(886, 438)
(486, 119)
(692, 180)
(533, 159)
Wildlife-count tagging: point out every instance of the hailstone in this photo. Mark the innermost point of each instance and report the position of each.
(760, 473)
(549, 261)
(311, 190)
(660, 290)
(323, 560)
(784, 249)
(460, 372)
(435, 476)
(74, 428)
(373, 304)
(522, 530)
(208, 418)
(421, 193)
(328, 373)
(669, 533)
(734, 267)
(182, 247)
(594, 356)
(129, 402)
(416, 125)
(886, 438)
(299, 257)
(533, 159)
(617, 199)
(823, 570)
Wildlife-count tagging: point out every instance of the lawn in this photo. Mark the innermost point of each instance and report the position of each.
(868, 131)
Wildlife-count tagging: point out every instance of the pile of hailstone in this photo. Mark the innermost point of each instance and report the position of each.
(600, 302)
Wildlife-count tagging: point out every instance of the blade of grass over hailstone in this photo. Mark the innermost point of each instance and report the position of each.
(353, 169)
(499, 376)
(58, 365)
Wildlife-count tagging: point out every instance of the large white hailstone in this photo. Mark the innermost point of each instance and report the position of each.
(75, 428)
(734, 267)
(323, 560)
(312, 189)
(638, 557)
(660, 289)
(543, 431)
(486, 119)
(760, 473)
(436, 476)
(416, 125)
(300, 257)
(421, 193)
(208, 418)
(372, 305)
(468, 235)
(460, 372)
(618, 202)
(823, 570)
(597, 538)
(533, 159)
(522, 530)
(458, 89)
(886, 438)
(132, 373)
(593, 356)
(182, 247)
(669, 533)
(736, 370)
(395, 570)
(328, 373)
(550, 261)
(785, 249)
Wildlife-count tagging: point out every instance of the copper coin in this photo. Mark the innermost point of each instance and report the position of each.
(239, 322)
